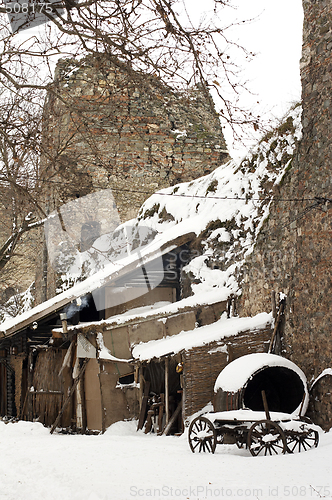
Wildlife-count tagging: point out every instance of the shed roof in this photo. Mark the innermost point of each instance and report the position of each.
(110, 274)
(199, 336)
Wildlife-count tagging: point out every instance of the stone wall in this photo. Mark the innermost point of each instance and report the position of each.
(293, 254)
(107, 126)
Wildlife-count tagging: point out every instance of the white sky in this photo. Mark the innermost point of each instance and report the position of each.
(275, 35)
(276, 38)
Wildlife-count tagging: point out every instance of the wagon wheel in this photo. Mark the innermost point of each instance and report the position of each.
(302, 441)
(202, 435)
(240, 440)
(266, 438)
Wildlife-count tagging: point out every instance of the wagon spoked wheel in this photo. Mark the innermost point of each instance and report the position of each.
(202, 435)
(302, 441)
(240, 440)
(266, 438)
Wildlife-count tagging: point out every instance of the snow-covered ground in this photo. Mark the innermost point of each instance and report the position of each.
(123, 465)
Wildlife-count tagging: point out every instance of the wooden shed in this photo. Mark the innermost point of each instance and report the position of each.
(32, 353)
(201, 353)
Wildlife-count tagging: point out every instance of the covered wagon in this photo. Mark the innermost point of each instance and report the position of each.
(260, 400)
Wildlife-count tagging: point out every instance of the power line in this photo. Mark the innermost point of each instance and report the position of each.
(181, 195)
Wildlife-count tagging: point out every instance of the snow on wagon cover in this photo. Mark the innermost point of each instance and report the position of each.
(226, 209)
(235, 375)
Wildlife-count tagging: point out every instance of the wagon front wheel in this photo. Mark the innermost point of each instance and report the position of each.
(302, 441)
(266, 438)
(202, 435)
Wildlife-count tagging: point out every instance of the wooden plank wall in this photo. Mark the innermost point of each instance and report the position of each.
(3, 389)
(47, 397)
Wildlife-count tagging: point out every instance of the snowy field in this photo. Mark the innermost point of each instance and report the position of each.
(123, 464)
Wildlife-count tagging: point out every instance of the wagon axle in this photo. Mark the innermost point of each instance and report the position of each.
(261, 437)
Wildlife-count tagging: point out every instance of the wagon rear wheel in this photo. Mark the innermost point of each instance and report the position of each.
(202, 435)
(302, 441)
(240, 440)
(266, 438)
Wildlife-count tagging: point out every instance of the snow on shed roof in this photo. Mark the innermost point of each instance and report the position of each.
(235, 375)
(199, 336)
(162, 244)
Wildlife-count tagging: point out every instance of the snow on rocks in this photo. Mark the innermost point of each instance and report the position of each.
(227, 208)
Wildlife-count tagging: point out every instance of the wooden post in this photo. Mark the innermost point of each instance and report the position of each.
(280, 312)
(83, 402)
(274, 306)
(141, 386)
(166, 389)
(266, 408)
(302, 404)
(172, 420)
(30, 381)
(141, 419)
(161, 413)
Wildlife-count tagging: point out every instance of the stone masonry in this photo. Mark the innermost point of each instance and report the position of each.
(107, 126)
(293, 254)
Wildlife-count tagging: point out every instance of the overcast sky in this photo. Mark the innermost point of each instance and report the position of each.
(276, 37)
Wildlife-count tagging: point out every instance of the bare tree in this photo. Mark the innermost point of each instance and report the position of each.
(156, 37)
(20, 134)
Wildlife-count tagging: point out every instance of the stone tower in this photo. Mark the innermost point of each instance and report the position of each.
(107, 126)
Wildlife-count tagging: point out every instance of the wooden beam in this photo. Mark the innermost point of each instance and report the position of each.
(274, 306)
(280, 312)
(141, 419)
(166, 390)
(161, 413)
(141, 385)
(266, 408)
(30, 382)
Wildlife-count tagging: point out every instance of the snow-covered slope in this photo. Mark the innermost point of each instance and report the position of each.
(226, 209)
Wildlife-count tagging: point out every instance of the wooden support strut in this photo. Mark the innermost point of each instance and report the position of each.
(73, 388)
(266, 408)
(172, 419)
(274, 306)
(280, 312)
(166, 390)
(141, 419)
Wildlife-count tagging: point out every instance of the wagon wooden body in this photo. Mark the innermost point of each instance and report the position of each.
(259, 400)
